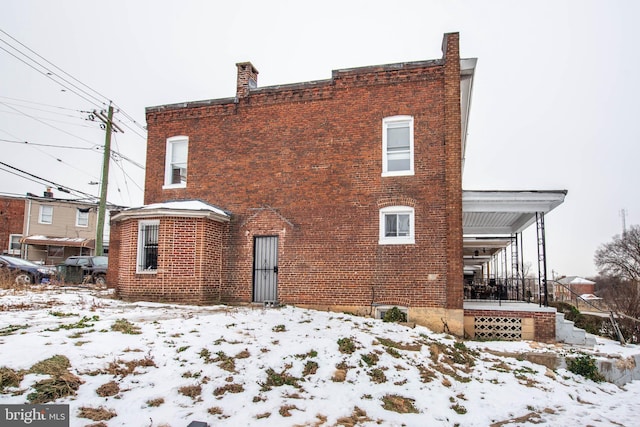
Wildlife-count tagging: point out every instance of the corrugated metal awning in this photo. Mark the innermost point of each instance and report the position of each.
(76, 242)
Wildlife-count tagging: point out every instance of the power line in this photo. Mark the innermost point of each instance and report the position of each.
(50, 73)
(10, 141)
(128, 116)
(47, 124)
(60, 187)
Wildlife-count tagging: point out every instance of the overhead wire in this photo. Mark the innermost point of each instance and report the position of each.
(59, 186)
(54, 76)
(121, 110)
(54, 157)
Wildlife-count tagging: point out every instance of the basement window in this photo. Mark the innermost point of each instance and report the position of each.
(397, 225)
(176, 162)
(381, 310)
(147, 260)
(397, 146)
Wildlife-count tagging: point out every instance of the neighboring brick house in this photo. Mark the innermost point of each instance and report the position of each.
(11, 223)
(342, 194)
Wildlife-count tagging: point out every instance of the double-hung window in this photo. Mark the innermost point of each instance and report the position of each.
(147, 260)
(14, 244)
(176, 162)
(46, 215)
(397, 225)
(397, 146)
(82, 217)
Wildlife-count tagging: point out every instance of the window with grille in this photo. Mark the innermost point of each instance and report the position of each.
(176, 162)
(397, 146)
(148, 246)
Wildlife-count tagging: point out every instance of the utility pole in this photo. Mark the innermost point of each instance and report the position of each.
(109, 127)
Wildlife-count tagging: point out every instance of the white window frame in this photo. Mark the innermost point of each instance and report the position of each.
(82, 218)
(45, 218)
(168, 169)
(141, 255)
(14, 238)
(397, 240)
(391, 122)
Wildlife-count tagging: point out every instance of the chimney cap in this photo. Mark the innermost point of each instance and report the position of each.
(243, 66)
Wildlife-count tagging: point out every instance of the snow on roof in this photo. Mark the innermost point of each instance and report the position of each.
(186, 205)
(575, 280)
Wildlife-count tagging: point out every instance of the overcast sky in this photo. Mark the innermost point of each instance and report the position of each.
(554, 102)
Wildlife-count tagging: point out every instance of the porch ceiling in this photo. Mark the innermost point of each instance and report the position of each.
(505, 212)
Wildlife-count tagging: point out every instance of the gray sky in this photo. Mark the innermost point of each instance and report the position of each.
(554, 100)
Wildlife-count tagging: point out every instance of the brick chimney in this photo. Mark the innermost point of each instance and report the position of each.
(247, 79)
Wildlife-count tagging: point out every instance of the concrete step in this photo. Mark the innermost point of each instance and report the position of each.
(567, 333)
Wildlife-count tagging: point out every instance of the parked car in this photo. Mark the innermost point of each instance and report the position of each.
(93, 269)
(26, 272)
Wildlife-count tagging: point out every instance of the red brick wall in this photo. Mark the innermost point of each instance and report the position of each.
(544, 322)
(189, 261)
(304, 162)
(11, 220)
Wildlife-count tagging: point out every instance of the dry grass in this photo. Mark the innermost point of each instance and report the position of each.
(96, 414)
(55, 365)
(123, 368)
(397, 345)
(51, 389)
(192, 391)
(154, 403)
(228, 388)
(10, 378)
(357, 417)
(285, 410)
(399, 404)
(109, 389)
(126, 327)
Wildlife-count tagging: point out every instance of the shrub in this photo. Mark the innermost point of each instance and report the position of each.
(394, 315)
(585, 366)
(346, 345)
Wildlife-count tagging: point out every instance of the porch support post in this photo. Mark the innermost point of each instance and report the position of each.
(542, 260)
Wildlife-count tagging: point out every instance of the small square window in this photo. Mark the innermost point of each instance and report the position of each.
(46, 215)
(397, 225)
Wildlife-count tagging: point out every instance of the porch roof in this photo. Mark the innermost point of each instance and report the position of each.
(505, 212)
(76, 242)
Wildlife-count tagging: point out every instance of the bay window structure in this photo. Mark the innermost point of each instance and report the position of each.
(397, 225)
(147, 246)
(176, 162)
(397, 146)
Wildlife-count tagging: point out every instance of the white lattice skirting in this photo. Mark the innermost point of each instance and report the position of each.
(497, 328)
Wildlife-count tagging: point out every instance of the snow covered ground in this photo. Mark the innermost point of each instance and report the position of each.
(243, 366)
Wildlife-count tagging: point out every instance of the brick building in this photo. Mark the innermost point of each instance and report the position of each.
(11, 223)
(342, 194)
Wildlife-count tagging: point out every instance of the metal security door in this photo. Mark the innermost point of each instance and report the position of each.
(265, 269)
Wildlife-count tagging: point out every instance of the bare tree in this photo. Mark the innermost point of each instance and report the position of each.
(621, 257)
(619, 284)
